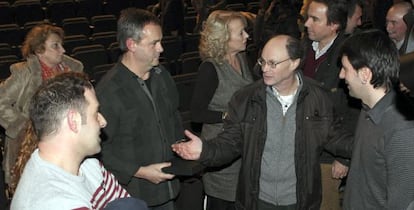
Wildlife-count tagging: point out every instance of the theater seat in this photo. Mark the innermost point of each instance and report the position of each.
(91, 56)
(5, 62)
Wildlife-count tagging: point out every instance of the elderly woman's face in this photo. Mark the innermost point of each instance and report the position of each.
(238, 36)
(53, 53)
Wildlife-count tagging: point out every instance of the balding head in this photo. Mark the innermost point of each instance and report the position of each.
(395, 24)
(285, 45)
(280, 58)
(277, 43)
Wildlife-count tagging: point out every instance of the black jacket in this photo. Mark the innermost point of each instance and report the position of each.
(245, 134)
(139, 133)
(327, 75)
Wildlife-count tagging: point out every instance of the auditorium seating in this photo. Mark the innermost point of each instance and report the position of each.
(76, 26)
(28, 11)
(6, 13)
(5, 62)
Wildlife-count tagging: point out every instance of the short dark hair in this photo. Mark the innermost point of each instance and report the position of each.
(131, 23)
(54, 98)
(352, 4)
(337, 12)
(375, 50)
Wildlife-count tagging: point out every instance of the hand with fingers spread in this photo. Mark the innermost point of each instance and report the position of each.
(189, 150)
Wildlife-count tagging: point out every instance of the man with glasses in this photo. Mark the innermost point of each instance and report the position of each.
(279, 125)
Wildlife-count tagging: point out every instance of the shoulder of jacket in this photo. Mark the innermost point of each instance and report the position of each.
(20, 66)
(24, 69)
(109, 82)
(74, 64)
(160, 72)
(313, 87)
(253, 90)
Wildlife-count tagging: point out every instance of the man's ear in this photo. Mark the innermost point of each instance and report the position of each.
(73, 120)
(334, 27)
(295, 63)
(131, 44)
(365, 74)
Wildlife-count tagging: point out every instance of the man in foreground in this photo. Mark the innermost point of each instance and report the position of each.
(60, 173)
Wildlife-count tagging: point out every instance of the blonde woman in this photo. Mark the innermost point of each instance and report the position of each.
(224, 70)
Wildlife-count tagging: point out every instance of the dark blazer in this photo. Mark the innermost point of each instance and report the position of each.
(139, 132)
(327, 75)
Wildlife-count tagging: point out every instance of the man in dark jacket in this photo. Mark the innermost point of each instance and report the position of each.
(279, 126)
(140, 101)
(326, 23)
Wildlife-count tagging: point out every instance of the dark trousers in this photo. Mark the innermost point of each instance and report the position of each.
(191, 195)
(214, 203)
(263, 205)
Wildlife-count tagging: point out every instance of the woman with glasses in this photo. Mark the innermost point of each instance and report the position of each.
(224, 70)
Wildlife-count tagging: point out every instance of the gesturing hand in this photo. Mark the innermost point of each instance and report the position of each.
(189, 150)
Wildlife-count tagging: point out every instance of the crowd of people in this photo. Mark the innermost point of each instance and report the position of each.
(320, 107)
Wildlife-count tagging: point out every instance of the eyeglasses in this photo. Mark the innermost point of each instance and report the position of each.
(262, 62)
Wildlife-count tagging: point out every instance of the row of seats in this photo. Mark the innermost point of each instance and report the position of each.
(173, 46)
(252, 7)
(97, 57)
(22, 11)
(14, 35)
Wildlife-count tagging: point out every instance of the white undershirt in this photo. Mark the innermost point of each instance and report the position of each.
(319, 53)
(285, 101)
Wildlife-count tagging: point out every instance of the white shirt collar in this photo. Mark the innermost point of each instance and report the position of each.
(319, 53)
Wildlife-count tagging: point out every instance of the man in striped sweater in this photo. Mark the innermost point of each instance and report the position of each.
(60, 173)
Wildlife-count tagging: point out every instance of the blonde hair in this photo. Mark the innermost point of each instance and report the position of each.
(216, 34)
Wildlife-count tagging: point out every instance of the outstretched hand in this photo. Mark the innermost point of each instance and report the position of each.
(189, 150)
